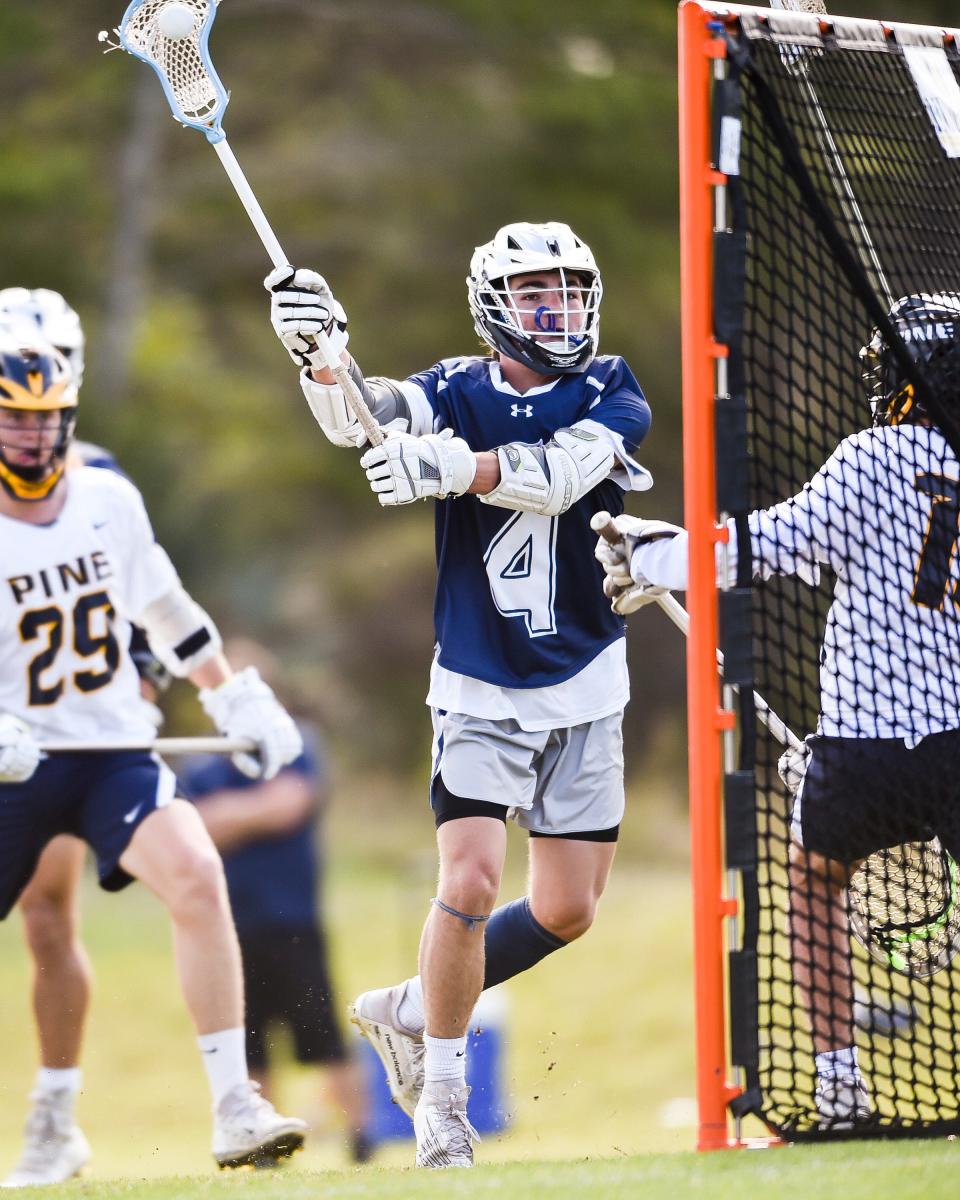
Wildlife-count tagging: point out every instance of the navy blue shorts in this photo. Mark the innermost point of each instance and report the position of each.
(860, 795)
(99, 797)
(287, 981)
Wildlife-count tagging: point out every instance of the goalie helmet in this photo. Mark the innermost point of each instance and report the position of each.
(564, 341)
(33, 380)
(929, 326)
(50, 318)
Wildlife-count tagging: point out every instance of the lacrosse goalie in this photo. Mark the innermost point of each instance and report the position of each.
(519, 449)
(81, 563)
(882, 514)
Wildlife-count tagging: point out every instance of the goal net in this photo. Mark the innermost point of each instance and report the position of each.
(837, 292)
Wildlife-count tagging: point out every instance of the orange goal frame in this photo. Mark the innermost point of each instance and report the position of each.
(699, 52)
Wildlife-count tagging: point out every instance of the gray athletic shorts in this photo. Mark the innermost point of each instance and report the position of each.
(559, 781)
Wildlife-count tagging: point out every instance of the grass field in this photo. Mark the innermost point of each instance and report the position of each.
(599, 1067)
(599, 1058)
(904, 1171)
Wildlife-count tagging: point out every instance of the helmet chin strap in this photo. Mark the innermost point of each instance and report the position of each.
(29, 491)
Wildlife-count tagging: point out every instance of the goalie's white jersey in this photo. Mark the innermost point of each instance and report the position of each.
(69, 591)
(883, 514)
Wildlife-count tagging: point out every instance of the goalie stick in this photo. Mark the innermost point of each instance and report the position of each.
(160, 33)
(903, 901)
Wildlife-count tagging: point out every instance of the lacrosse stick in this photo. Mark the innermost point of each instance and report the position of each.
(168, 745)
(601, 523)
(793, 60)
(902, 901)
(171, 36)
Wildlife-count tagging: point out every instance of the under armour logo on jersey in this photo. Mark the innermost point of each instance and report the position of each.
(521, 410)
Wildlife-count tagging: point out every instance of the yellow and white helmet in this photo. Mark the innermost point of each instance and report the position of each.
(51, 320)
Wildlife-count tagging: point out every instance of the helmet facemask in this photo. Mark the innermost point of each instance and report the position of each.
(535, 292)
(929, 328)
(38, 412)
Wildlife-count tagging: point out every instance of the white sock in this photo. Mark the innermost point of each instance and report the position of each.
(225, 1059)
(831, 1064)
(445, 1059)
(410, 1009)
(59, 1079)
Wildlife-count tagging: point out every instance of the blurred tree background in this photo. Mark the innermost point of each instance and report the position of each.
(384, 139)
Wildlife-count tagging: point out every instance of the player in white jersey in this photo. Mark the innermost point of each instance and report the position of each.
(79, 563)
(881, 514)
(528, 685)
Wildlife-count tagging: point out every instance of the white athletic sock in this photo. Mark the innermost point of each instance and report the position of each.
(833, 1063)
(410, 1009)
(59, 1079)
(445, 1059)
(225, 1059)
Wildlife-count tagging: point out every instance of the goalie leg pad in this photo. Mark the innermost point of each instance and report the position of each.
(549, 479)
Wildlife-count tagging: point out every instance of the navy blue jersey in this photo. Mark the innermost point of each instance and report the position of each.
(273, 881)
(519, 600)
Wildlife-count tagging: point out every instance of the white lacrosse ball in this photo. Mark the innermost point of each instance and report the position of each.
(177, 21)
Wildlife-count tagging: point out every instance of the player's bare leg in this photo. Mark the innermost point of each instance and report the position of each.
(55, 1148)
(50, 908)
(173, 855)
(823, 970)
(567, 879)
(472, 852)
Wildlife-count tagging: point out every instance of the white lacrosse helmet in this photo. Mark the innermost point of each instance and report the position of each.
(49, 315)
(566, 340)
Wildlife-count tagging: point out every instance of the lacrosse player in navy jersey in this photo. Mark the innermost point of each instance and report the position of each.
(80, 563)
(519, 449)
(882, 514)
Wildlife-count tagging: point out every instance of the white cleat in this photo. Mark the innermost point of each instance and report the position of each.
(843, 1102)
(248, 1130)
(398, 1048)
(55, 1149)
(445, 1136)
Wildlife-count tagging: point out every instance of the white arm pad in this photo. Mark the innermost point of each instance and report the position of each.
(549, 479)
(181, 634)
(333, 414)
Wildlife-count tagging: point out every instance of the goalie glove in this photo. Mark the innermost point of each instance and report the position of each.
(624, 586)
(407, 468)
(301, 306)
(20, 753)
(245, 707)
(792, 766)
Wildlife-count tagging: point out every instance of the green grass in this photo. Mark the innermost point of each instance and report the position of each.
(599, 1068)
(899, 1171)
(599, 1037)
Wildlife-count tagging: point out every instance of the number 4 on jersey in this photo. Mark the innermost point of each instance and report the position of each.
(522, 570)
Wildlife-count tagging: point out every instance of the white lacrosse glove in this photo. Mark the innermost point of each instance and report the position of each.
(19, 752)
(407, 468)
(792, 766)
(245, 707)
(302, 305)
(628, 591)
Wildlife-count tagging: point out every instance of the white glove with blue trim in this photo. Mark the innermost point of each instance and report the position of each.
(302, 305)
(20, 753)
(407, 468)
(245, 707)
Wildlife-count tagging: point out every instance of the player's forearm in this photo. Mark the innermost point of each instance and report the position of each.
(488, 474)
(236, 818)
(212, 673)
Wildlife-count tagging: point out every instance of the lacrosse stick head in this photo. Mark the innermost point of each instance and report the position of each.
(904, 905)
(158, 32)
